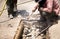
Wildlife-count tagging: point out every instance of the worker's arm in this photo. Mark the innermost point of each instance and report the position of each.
(57, 10)
(36, 6)
(49, 6)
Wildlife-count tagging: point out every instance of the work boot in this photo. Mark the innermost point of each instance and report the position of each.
(14, 14)
(10, 16)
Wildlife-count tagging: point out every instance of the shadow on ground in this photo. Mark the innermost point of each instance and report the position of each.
(23, 13)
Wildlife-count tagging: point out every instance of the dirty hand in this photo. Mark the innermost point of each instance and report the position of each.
(33, 10)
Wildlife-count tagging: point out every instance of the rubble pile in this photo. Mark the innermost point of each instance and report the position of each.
(31, 30)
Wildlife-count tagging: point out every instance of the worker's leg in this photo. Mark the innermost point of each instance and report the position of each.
(10, 7)
(14, 8)
(45, 24)
(15, 5)
(54, 17)
(9, 11)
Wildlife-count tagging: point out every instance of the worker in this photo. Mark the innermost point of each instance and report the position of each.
(12, 7)
(49, 10)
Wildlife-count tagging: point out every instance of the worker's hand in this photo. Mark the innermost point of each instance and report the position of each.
(57, 12)
(41, 9)
(35, 7)
(33, 10)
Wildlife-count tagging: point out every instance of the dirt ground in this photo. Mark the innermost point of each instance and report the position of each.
(9, 26)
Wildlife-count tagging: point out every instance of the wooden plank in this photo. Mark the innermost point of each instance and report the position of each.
(19, 31)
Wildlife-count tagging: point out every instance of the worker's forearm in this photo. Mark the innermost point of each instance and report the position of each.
(35, 7)
(46, 10)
